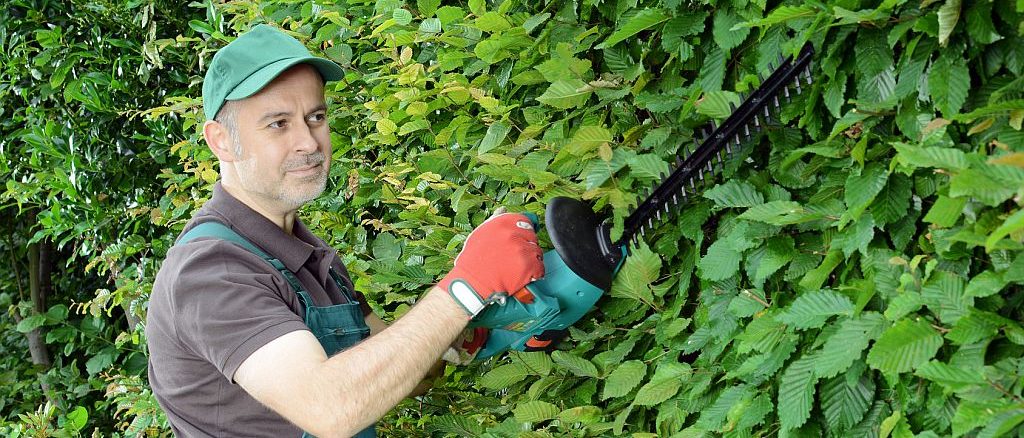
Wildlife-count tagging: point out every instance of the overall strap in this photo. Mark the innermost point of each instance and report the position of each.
(220, 231)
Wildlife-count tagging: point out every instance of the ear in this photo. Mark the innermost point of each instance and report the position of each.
(219, 140)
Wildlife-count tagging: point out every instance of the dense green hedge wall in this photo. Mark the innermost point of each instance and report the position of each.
(856, 272)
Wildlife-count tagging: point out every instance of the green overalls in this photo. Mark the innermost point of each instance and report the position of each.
(337, 327)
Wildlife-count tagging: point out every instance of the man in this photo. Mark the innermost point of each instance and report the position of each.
(254, 328)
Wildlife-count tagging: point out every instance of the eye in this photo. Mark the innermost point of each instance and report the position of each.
(277, 124)
(317, 117)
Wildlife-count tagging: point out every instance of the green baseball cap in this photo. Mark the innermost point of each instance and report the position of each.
(251, 61)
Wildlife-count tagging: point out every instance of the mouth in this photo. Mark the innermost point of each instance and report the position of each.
(306, 170)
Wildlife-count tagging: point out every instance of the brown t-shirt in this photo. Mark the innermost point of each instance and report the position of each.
(215, 303)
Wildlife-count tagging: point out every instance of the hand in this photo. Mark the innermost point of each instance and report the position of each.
(499, 258)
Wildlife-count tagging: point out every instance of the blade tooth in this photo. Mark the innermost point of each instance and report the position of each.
(658, 214)
(666, 206)
(797, 83)
(732, 107)
(675, 199)
(746, 129)
(743, 97)
(781, 60)
(767, 115)
(728, 148)
(757, 122)
(807, 74)
(714, 126)
(785, 91)
(692, 185)
(775, 101)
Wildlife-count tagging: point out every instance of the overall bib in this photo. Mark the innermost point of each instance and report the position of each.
(337, 327)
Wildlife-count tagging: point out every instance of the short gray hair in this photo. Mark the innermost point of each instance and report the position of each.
(228, 117)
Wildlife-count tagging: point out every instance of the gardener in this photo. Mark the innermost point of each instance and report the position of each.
(254, 327)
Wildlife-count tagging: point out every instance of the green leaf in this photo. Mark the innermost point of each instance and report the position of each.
(904, 346)
(845, 346)
(712, 72)
(643, 20)
(638, 272)
(845, 402)
(535, 411)
(985, 284)
(626, 376)
(663, 385)
(980, 185)
(77, 418)
(386, 247)
(31, 322)
(427, 7)
(413, 126)
(949, 81)
(943, 293)
(781, 14)
(718, 104)
(811, 309)
(893, 201)
(949, 14)
(855, 237)
(980, 25)
(734, 193)
(504, 376)
(581, 414)
(101, 361)
(492, 21)
(778, 251)
(648, 166)
(945, 211)
(587, 139)
(796, 393)
(575, 364)
(776, 213)
(722, 261)
(1002, 423)
(724, 32)
(401, 16)
(565, 94)
(954, 378)
(977, 325)
(862, 189)
(944, 158)
(1012, 224)
(714, 416)
(537, 362)
(816, 277)
(531, 23)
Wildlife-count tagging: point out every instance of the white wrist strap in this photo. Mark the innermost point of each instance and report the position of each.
(466, 297)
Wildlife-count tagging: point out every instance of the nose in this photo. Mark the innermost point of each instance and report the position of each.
(305, 141)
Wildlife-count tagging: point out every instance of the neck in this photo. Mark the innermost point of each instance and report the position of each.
(283, 219)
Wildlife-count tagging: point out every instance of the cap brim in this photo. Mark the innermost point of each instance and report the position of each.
(329, 71)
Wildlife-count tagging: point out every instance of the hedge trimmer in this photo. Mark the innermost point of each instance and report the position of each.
(584, 260)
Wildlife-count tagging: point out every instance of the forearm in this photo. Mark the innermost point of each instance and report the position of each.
(363, 383)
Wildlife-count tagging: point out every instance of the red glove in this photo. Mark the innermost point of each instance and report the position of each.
(497, 261)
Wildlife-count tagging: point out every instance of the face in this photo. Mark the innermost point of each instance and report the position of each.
(284, 147)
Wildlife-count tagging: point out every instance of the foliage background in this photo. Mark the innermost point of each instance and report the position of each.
(858, 275)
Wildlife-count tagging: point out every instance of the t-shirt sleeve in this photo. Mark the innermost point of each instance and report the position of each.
(228, 303)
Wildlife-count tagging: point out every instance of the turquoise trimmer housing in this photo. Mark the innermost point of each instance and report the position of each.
(577, 272)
